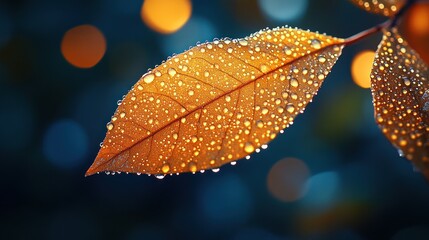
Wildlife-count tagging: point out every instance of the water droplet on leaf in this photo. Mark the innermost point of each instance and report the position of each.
(148, 78)
(172, 72)
(316, 44)
(248, 147)
(109, 126)
(165, 168)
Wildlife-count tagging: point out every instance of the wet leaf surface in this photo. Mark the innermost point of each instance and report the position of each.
(387, 8)
(216, 103)
(399, 82)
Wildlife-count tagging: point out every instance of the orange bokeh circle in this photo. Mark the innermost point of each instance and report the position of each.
(361, 68)
(83, 46)
(166, 16)
(287, 179)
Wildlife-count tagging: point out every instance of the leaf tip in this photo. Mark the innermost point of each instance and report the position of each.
(95, 167)
(91, 171)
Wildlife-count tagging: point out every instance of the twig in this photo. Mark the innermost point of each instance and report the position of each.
(387, 24)
(359, 36)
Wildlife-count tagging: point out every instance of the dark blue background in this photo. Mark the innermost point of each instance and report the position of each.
(52, 110)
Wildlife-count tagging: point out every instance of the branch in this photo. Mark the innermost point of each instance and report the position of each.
(387, 24)
(366, 33)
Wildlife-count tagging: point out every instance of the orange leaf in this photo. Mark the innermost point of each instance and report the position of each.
(387, 8)
(216, 103)
(399, 81)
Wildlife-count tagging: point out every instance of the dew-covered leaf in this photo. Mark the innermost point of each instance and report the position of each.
(387, 8)
(216, 103)
(400, 89)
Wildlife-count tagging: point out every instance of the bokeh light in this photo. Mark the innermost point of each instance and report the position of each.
(83, 46)
(65, 144)
(225, 202)
(287, 179)
(415, 28)
(166, 16)
(418, 21)
(322, 190)
(361, 68)
(283, 10)
(196, 30)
